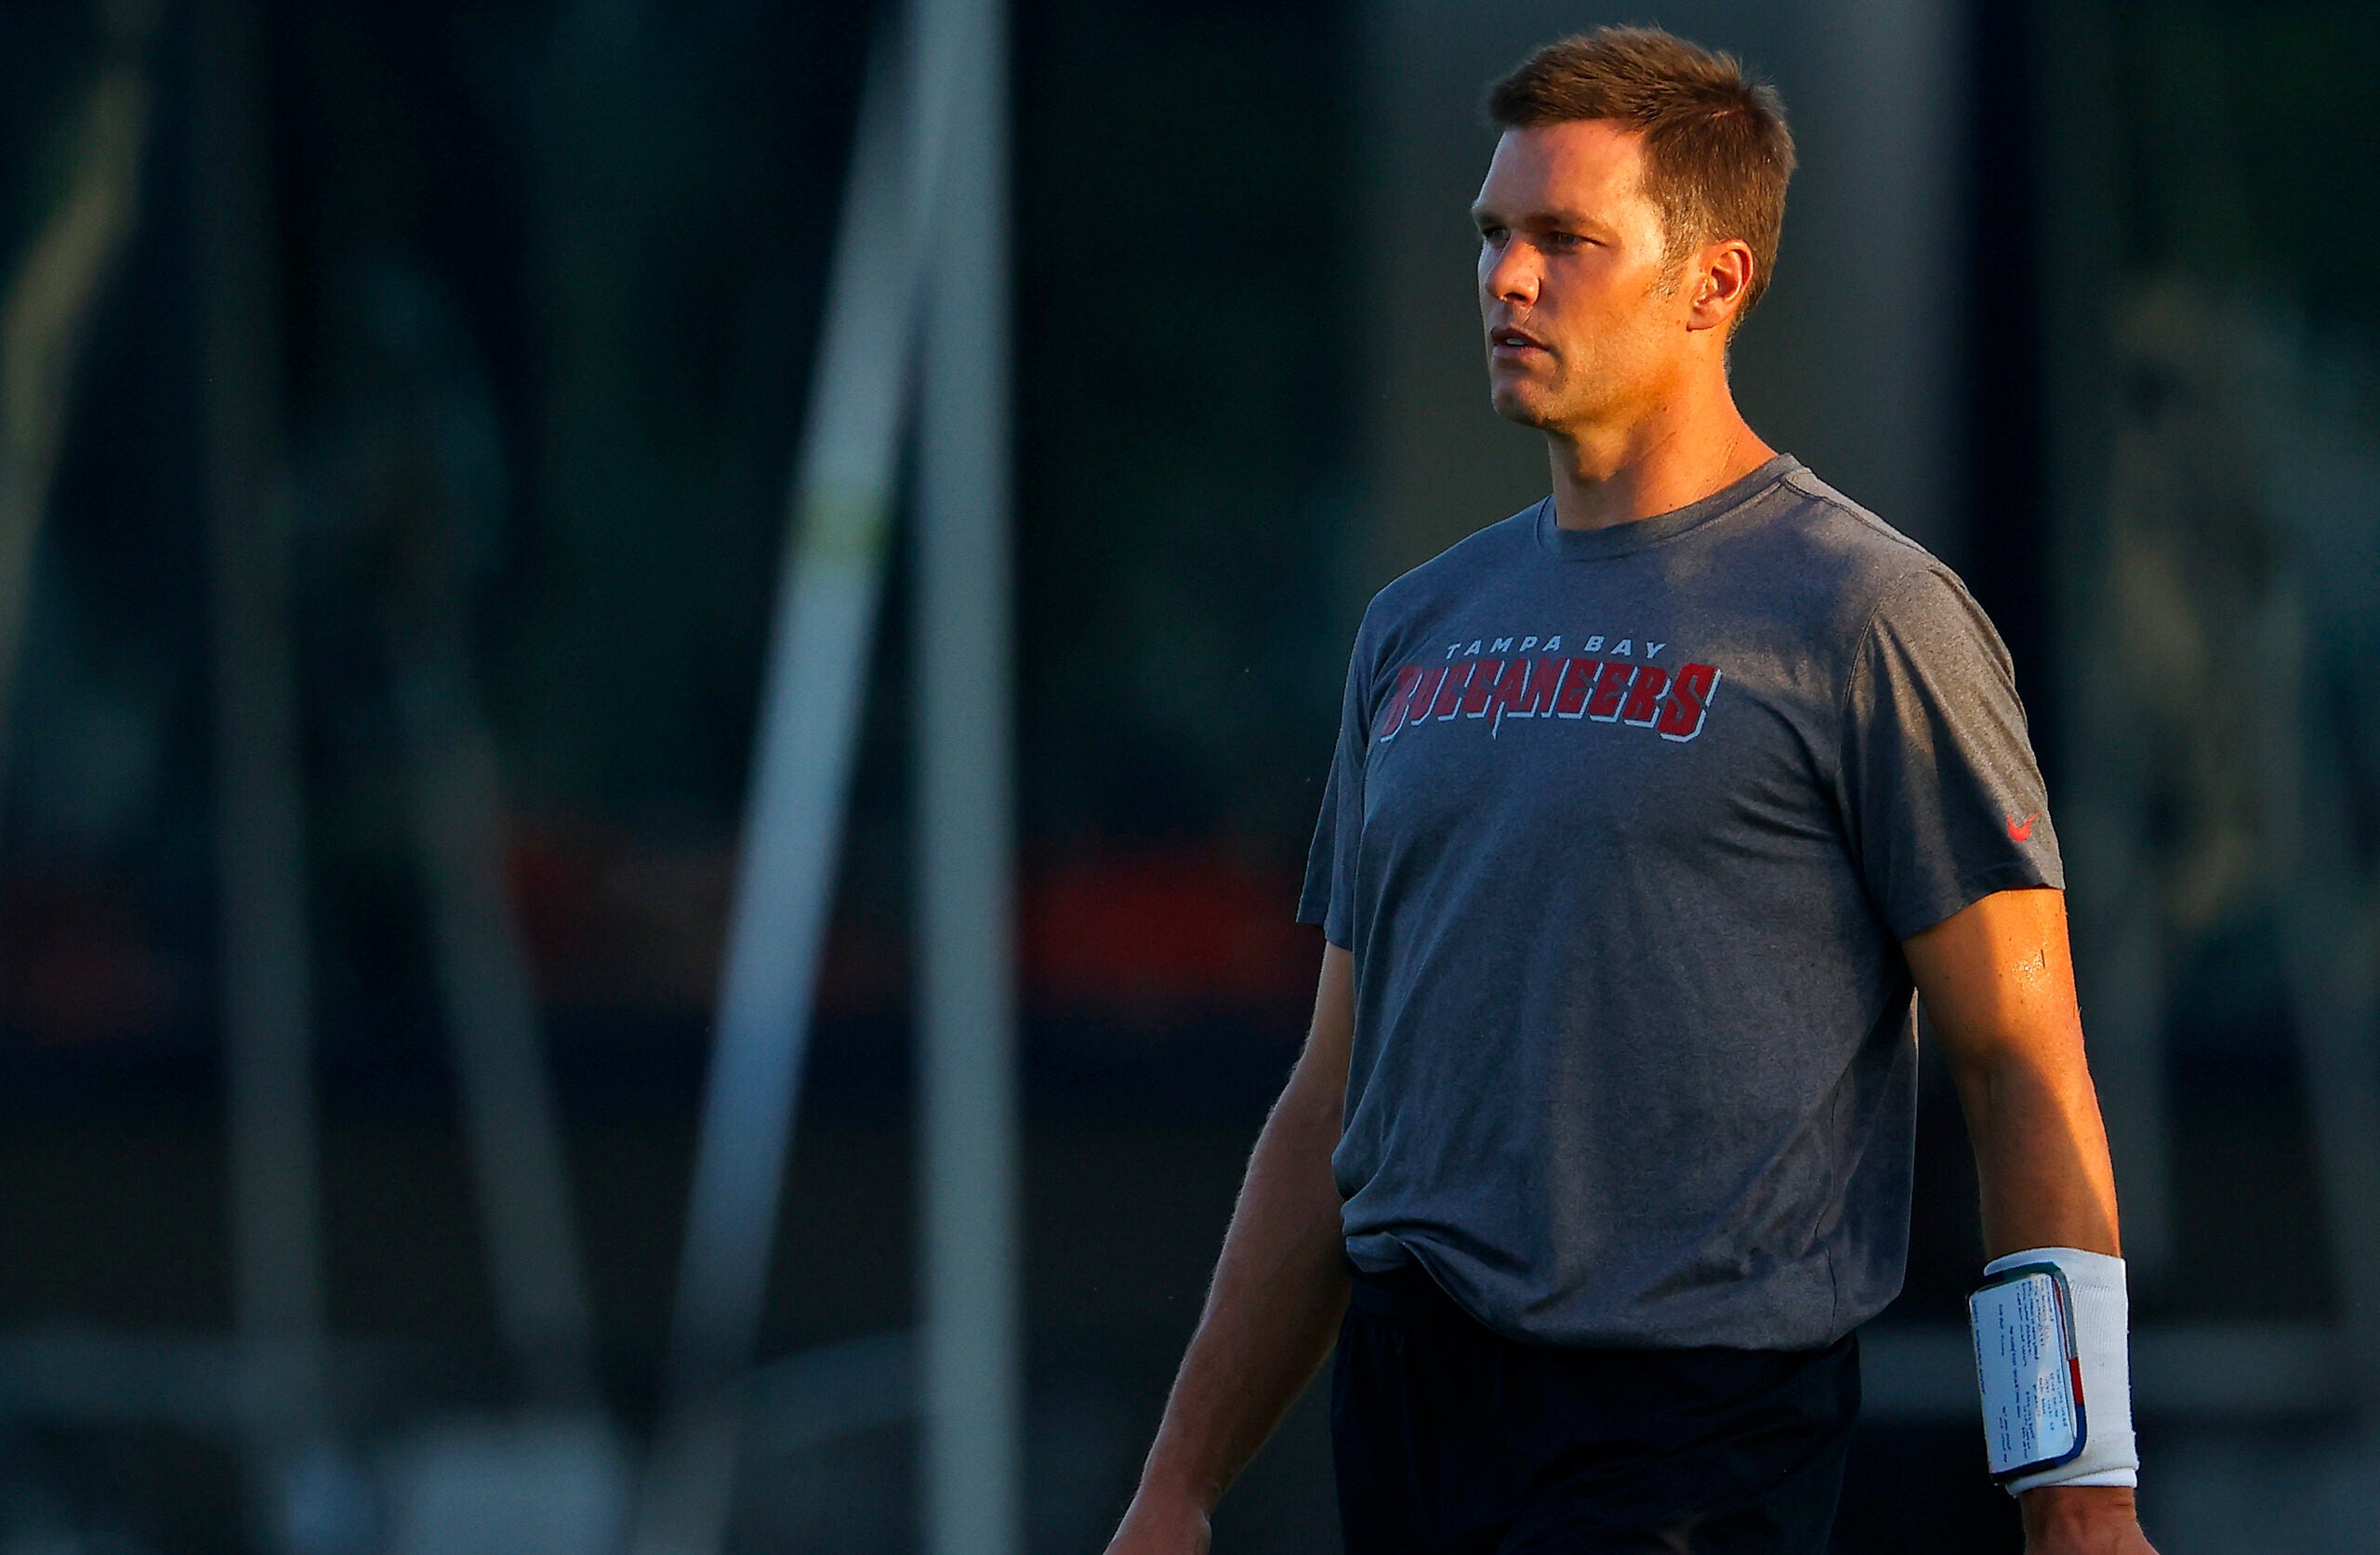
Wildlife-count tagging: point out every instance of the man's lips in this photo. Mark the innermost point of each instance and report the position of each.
(1507, 341)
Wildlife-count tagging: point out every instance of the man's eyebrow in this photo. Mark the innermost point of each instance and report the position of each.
(1570, 220)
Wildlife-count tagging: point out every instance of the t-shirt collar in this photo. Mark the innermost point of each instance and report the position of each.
(1619, 539)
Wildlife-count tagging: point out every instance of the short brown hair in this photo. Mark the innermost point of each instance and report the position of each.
(1717, 153)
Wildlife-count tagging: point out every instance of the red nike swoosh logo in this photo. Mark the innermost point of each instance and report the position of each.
(2022, 831)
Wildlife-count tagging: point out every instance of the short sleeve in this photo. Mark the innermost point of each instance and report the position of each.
(1328, 896)
(1941, 795)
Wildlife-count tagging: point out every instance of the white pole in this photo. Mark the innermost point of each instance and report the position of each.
(826, 614)
(44, 314)
(528, 1230)
(968, 1138)
(260, 800)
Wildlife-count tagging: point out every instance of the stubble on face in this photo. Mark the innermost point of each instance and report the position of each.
(1578, 289)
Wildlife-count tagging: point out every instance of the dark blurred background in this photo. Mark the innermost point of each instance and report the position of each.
(511, 306)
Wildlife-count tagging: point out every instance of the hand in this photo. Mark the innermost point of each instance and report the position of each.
(1161, 1525)
(2081, 1519)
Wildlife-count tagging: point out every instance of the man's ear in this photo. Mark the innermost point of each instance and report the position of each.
(1721, 276)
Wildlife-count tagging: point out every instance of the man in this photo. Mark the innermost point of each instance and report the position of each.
(1651, 805)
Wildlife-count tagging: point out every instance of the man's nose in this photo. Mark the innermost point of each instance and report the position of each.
(1509, 275)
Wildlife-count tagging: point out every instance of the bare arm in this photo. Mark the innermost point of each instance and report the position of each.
(1998, 986)
(1999, 989)
(1274, 1307)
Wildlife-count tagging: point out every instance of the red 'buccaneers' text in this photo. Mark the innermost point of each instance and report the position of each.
(1606, 690)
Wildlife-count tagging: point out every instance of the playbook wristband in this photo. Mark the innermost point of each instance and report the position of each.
(2093, 1287)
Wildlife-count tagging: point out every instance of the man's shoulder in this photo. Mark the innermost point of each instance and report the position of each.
(1838, 556)
(1505, 543)
(1839, 536)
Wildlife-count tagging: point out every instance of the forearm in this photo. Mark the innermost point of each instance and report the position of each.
(2041, 1154)
(1998, 986)
(1273, 1308)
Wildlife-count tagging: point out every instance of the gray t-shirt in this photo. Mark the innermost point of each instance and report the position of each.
(1623, 830)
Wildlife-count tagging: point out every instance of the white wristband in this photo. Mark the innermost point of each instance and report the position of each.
(2102, 1343)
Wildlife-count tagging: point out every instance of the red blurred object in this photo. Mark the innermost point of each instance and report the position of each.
(614, 922)
(1141, 936)
(1148, 935)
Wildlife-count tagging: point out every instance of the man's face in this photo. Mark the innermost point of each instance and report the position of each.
(1585, 323)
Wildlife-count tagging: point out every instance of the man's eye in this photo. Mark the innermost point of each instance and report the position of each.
(1563, 239)
(1491, 234)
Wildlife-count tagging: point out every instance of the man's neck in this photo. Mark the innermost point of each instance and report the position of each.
(1613, 476)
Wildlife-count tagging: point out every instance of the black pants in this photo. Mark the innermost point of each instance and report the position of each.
(1452, 1440)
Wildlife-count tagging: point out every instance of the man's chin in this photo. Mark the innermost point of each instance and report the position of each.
(1521, 403)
